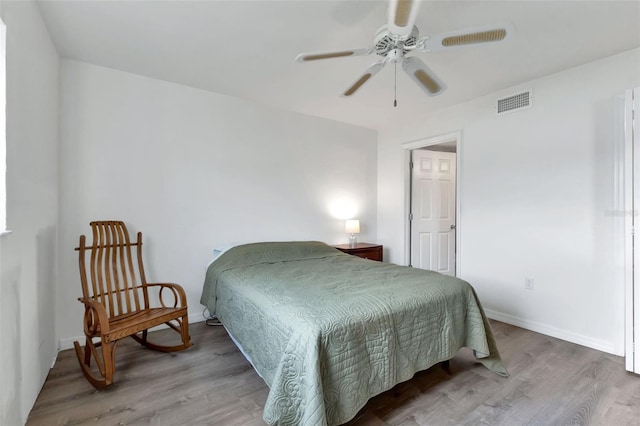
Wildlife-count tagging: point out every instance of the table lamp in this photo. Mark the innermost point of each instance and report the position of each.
(352, 227)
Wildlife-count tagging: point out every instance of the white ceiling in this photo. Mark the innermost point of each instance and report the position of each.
(247, 48)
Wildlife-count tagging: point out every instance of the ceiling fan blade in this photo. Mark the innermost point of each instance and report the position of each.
(402, 16)
(423, 76)
(305, 57)
(372, 70)
(461, 38)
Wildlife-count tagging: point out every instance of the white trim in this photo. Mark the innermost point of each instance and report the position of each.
(579, 339)
(635, 139)
(421, 143)
(3, 127)
(67, 342)
(433, 140)
(632, 287)
(627, 191)
(406, 158)
(626, 188)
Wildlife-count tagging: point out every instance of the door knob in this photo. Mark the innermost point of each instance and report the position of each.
(452, 227)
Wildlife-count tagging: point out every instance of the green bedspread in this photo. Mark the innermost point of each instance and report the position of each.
(327, 331)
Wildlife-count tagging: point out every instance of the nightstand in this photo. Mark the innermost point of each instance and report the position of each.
(364, 250)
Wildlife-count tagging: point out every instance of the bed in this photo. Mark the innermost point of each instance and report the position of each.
(327, 330)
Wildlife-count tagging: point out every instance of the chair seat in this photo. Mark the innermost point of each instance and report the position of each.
(126, 325)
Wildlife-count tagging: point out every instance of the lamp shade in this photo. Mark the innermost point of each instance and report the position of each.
(352, 226)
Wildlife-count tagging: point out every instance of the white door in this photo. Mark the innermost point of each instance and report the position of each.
(433, 211)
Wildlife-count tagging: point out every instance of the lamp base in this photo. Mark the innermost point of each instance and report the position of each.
(353, 240)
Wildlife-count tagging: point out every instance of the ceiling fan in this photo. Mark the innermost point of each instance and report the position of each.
(399, 37)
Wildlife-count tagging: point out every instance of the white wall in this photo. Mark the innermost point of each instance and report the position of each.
(536, 191)
(194, 170)
(27, 265)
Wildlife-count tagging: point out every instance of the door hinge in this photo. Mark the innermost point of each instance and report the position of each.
(410, 216)
(411, 165)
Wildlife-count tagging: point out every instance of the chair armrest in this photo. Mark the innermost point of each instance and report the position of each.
(96, 321)
(179, 296)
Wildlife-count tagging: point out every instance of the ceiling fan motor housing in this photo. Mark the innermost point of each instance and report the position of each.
(385, 42)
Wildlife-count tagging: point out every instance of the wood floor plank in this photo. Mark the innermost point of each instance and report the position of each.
(552, 382)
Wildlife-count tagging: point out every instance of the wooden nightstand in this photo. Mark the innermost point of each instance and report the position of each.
(364, 250)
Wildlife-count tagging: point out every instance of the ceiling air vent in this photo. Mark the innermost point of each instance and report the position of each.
(516, 102)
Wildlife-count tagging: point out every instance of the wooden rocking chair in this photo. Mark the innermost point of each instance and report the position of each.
(116, 300)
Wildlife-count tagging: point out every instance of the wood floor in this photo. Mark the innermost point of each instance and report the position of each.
(552, 382)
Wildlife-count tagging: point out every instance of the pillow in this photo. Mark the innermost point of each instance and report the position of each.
(219, 251)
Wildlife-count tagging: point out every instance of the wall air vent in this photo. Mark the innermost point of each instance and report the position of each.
(513, 103)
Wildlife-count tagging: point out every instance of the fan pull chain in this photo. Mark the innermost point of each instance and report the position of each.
(395, 83)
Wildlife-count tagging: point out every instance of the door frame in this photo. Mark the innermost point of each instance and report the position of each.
(627, 194)
(422, 143)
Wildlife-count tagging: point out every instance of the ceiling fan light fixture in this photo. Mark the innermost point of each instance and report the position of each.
(479, 37)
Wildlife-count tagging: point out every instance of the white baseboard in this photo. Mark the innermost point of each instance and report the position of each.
(67, 342)
(548, 330)
(194, 318)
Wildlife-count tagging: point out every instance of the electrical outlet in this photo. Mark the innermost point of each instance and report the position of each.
(528, 283)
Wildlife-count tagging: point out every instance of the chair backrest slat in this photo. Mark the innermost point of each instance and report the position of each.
(145, 293)
(119, 256)
(104, 266)
(111, 267)
(96, 264)
(129, 268)
(112, 273)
